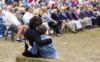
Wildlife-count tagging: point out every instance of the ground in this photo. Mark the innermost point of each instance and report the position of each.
(81, 47)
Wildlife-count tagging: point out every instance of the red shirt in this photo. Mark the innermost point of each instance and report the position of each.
(30, 1)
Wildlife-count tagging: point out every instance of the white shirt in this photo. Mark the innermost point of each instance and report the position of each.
(10, 19)
(5, 12)
(26, 18)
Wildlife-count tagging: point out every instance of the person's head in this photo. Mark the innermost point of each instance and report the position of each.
(15, 9)
(44, 9)
(62, 9)
(21, 10)
(10, 9)
(15, 4)
(36, 12)
(35, 22)
(4, 7)
(29, 9)
(65, 8)
(40, 12)
(42, 29)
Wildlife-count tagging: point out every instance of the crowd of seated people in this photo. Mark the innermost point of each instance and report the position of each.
(75, 18)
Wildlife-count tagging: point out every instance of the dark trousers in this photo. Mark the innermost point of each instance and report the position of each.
(94, 21)
(98, 20)
(55, 27)
(2, 29)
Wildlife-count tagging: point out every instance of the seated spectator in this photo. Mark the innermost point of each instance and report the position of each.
(76, 19)
(55, 16)
(19, 14)
(25, 3)
(28, 15)
(48, 21)
(84, 15)
(37, 12)
(35, 4)
(9, 2)
(2, 24)
(5, 11)
(65, 20)
(11, 20)
(75, 24)
(15, 4)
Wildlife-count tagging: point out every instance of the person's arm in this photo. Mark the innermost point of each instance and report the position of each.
(33, 35)
(28, 44)
(28, 39)
(49, 18)
(25, 19)
(43, 42)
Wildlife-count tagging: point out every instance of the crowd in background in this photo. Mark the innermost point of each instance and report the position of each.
(55, 14)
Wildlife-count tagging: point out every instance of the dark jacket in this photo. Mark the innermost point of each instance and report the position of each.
(81, 15)
(63, 16)
(68, 15)
(55, 17)
(34, 36)
(74, 15)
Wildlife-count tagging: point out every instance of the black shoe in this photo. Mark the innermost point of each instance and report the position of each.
(29, 54)
(18, 40)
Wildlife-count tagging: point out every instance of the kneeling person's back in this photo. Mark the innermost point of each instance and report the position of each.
(46, 51)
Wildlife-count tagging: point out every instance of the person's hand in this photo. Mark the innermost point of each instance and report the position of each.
(29, 48)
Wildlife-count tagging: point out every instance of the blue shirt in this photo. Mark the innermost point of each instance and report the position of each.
(1, 18)
(47, 50)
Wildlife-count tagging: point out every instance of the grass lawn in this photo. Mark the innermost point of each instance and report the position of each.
(81, 47)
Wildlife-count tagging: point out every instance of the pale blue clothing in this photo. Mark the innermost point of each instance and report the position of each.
(25, 3)
(46, 17)
(34, 49)
(45, 1)
(70, 4)
(47, 51)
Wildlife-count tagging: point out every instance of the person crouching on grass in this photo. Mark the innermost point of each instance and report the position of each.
(46, 51)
